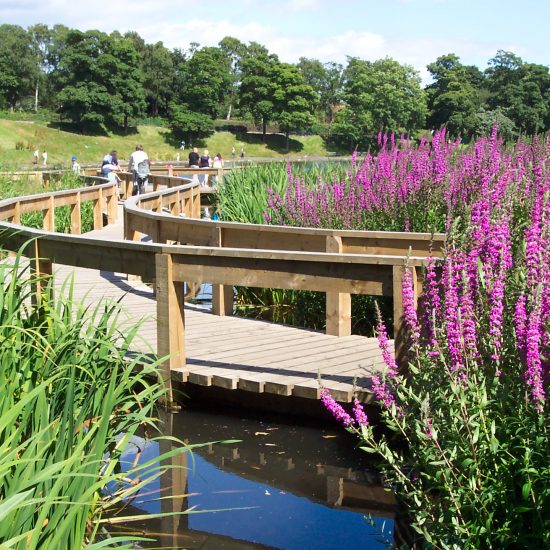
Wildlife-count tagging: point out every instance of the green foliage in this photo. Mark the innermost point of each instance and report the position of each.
(205, 80)
(188, 125)
(18, 65)
(70, 403)
(521, 90)
(379, 96)
(99, 81)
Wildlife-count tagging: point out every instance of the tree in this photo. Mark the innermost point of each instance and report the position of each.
(326, 79)
(19, 67)
(294, 100)
(99, 80)
(187, 125)
(41, 37)
(521, 90)
(206, 80)
(258, 86)
(379, 96)
(234, 50)
(455, 95)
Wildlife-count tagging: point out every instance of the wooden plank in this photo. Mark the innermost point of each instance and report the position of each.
(170, 321)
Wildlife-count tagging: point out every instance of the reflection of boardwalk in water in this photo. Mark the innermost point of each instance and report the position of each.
(236, 353)
(298, 487)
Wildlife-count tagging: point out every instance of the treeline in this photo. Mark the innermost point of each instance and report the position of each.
(103, 81)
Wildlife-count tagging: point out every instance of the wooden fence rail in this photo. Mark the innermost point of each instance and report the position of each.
(334, 262)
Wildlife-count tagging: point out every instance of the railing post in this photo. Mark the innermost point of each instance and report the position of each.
(196, 203)
(400, 333)
(338, 304)
(222, 295)
(175, 208)
(48, 223)
(98, 210)
(16, 213)
(76, 223)
(170, 322)
(112, 207)
(219, 179)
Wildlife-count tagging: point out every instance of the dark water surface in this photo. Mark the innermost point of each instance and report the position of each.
(298, 487)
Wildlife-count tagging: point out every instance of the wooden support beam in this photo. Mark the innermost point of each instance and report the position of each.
(338, 304)
(170, 322)
(222, 295)
(98, 210)
(112, 207)
(76, 220)
(48, 223)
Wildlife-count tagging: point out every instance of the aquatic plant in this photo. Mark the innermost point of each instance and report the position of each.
(71, 401)
(471, 405)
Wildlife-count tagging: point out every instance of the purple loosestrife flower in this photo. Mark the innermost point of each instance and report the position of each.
(384, 345)
(409, 307)
(382, 392)
(359, 414)
(335, 408)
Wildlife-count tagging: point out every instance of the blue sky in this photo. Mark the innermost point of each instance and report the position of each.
(412, 31)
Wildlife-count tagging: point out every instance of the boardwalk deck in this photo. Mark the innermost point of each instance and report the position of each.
(236, 353)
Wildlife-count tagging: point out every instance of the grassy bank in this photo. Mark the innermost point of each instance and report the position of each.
(19, 139)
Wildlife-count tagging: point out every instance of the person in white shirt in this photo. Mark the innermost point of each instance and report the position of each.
(75, 166)
(44, 158)
(139, 162)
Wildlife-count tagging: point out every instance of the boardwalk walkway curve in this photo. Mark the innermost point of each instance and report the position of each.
(185, 248)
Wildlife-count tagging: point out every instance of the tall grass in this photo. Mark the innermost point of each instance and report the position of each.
(69, 405)
(10, 187)
(244, 197)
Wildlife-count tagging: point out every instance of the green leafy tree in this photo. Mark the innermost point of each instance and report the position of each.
(294, 100)
(99, 80)
(19, 66)
(41, 37)
(188, 125)
(379, 96)
(521, 89)
(327, 80)
(206, 80)
(258, 86)
(454, 97)
(234, 50)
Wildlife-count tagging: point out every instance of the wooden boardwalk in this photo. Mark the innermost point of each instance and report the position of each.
(232, 352)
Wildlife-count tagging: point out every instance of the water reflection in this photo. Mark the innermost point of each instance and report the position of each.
(288, 487)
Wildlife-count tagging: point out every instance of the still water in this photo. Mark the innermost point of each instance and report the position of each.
(282, 486)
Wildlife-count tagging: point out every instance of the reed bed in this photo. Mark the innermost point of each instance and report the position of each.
(71, 401)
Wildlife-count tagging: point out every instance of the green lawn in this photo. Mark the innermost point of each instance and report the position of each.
(62, 145)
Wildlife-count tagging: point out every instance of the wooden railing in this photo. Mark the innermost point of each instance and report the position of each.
(150, 215)
(339, 263)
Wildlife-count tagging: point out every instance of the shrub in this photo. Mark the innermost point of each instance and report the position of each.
(467, 441)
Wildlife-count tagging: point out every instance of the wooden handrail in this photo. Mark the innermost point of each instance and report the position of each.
(210, 254)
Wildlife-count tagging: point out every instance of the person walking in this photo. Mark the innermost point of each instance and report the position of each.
(44, 158)
(219, 164)
(75, 167)
(194, 158)
(139, 167)
(242, 153)
(35, 157)
(233, 152)
(204, 162)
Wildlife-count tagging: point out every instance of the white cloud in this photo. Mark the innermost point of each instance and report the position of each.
(177, 23)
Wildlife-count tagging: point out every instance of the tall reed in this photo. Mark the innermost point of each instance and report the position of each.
(71, 401)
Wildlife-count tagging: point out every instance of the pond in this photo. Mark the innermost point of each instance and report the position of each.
(282, 486)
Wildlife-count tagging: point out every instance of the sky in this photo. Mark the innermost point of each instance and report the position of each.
(415, 32)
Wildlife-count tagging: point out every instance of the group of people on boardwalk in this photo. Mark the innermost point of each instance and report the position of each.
(204, 161)
(139, 166)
